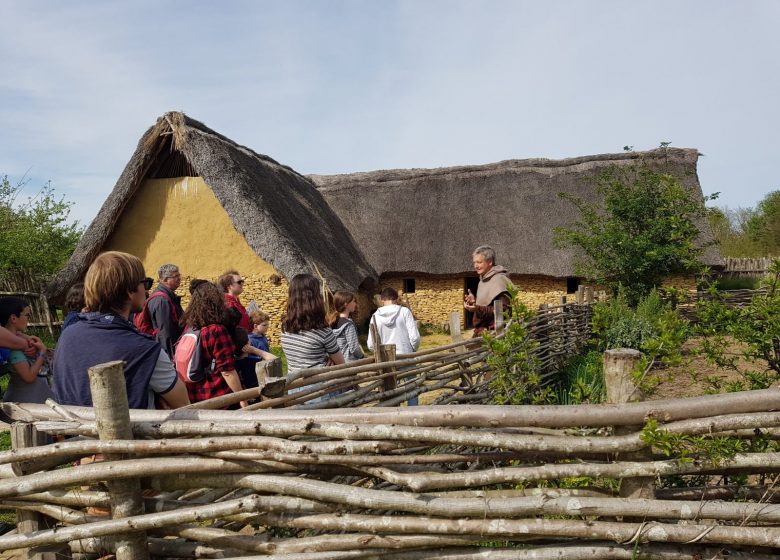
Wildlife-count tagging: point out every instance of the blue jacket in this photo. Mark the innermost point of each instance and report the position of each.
(97, 338)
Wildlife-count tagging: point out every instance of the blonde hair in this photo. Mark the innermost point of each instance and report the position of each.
(258, 317)
(110, 279)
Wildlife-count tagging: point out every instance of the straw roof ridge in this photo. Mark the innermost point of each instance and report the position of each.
(280, 213)
(512, 205)
(541, 165)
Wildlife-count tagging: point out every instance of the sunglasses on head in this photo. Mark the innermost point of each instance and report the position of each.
(147, 282)
(240, 281)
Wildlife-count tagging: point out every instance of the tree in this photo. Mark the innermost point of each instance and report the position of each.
(35, 235)
(642, 228)
(764, 225)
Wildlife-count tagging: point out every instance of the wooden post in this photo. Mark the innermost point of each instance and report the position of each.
(455, 331)
(580, 294)
(112, 415)
(269, 378)
(25, 435)
(498, 315)
(47, 313)
(386, 353)
(563, 300)
(619, 366)
(588, 294)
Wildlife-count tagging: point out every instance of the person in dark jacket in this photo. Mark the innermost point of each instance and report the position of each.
(74, 304)
(165, 311)
(113, 287)
(493, 285)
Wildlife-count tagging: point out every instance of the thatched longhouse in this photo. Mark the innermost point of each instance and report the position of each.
(192, 197)
(417, 227)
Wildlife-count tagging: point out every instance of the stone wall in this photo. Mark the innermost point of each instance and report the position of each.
(268, 291)
(433, 298)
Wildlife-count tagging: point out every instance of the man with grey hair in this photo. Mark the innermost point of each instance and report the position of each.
(165, 309)
(493, 285)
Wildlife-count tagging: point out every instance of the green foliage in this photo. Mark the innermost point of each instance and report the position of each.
(642, 230)
(35, 235)
(653, 328)
(583, 380)
(713, 449)
(738, 283)
(513, 362)
(730, 230)
(764, 225)
(756, 329)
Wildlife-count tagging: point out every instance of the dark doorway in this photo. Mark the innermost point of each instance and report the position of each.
(469, 283)
(572, 283)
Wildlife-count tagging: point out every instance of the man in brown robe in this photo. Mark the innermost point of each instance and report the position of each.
(493, 285)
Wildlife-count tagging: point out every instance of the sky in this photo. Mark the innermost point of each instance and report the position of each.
(335, 86)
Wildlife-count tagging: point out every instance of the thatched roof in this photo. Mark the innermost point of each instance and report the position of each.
(282, 216)
(429, 220)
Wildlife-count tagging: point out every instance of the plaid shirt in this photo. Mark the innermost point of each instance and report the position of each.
(218, 346)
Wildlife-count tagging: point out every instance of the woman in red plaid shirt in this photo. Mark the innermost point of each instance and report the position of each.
(208, 313)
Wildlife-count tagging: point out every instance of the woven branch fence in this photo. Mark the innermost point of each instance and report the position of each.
(360, 478)
(456, 481)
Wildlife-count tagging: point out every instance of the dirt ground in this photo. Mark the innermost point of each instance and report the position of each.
(689, 379)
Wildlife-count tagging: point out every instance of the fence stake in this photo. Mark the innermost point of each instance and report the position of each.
(386, 353)
(498, 315)
(619, 365)
(112, 415)
(588, 294)
(24, 435)
(580, 294)
(455, 332)
(269, 378)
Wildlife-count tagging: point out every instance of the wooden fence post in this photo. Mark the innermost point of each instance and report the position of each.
(112, 415)
(269, 378)
(580, 294)
(386, 353)
(455, 331)
(588, 294)
(24, 435)
(619, 366)
(498, 315)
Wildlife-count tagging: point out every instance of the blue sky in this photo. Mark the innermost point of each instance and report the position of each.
(339, 86)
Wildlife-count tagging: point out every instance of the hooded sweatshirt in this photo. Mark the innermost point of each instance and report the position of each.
(347, 338)
(395, 325)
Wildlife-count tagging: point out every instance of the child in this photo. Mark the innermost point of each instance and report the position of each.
(257, 338)
(345, 304)
(28, 378)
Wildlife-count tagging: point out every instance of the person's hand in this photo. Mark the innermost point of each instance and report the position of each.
(40, 347)
(33, 339)
(32, 350)
(469, 301)
(244, 404)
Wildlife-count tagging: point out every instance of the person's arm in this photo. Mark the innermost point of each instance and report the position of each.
(353, 344)
(332, 348)
(16, 341)
(411, 328)
(28, 372)
(222, 349)
(370, 341)
(177, 396)
(160, 315)
(249, 349)
(166, 384)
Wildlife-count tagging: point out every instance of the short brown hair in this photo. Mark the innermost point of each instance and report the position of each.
(74, 299)
(258, 317)
(226, 279)
(110, 279)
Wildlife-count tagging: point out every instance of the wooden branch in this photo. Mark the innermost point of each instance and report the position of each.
(550, 416)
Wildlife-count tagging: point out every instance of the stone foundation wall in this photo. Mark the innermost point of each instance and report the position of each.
(433, 298)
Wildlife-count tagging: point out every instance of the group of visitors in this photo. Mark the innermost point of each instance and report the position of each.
(113, 316)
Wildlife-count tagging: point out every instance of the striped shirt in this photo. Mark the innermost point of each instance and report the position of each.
(308, 349)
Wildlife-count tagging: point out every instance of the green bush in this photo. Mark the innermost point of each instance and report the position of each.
(738, 283)
(629, 332)
(583, 380)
